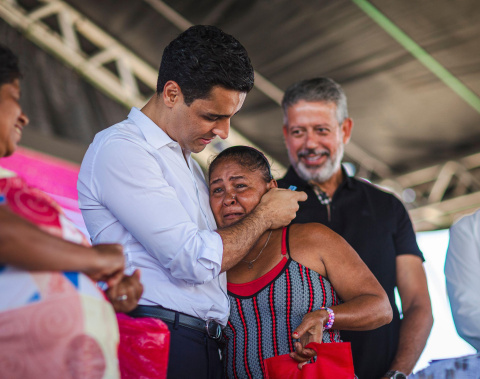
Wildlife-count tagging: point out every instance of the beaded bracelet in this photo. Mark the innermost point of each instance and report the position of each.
(331, 317)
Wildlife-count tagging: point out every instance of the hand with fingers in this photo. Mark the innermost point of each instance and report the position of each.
(280, 206)
(108, 264)
(125, 295)
(310, 330)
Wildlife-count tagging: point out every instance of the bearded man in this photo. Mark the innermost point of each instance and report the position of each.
(375, 223)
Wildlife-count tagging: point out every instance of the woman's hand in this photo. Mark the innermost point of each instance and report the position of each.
(125, 295)
(310, 330)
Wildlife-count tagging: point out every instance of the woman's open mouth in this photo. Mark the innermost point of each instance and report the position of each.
(18, 129)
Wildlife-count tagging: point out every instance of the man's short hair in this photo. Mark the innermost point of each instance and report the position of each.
(316, 89)
(203, 57)
(9, 70)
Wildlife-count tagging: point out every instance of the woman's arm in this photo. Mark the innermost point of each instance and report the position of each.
(24, 245)
(365, 305)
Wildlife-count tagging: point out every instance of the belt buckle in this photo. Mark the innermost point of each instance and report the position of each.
(214, 330)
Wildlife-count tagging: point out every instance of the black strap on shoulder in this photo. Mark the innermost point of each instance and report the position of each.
(287, 241)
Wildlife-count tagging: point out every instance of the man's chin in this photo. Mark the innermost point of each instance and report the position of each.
(197, 149)
(318, 174)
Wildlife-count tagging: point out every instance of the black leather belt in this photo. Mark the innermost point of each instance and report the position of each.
(212, 328)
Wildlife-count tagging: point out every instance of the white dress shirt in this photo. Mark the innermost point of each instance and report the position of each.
(135, 188)
(462, 272)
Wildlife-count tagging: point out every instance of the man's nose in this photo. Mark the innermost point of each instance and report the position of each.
(310, 141)
(222, 128)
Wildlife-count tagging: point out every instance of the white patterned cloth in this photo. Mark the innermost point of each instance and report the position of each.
(466, 367)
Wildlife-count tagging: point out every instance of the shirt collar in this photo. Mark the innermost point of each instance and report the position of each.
(153, 134)
(347, 179)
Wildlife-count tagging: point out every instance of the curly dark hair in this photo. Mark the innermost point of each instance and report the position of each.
(203, 57)
(245, 156)
(9, 70)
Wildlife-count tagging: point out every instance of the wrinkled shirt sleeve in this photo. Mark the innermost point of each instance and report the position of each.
(129, 182)
(462, 273)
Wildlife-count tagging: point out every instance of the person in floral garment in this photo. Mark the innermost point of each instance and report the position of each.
(54, 320)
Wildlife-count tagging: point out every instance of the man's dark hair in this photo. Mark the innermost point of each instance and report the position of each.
(245, 156)
(316, 89)
(9, 70)
(203, 57)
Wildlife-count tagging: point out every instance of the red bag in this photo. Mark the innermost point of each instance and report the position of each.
(334, 361)
(143, 349)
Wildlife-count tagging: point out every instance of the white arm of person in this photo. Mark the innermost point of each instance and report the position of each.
(462, 272)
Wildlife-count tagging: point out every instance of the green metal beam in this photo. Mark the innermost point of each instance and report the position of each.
(420, 54)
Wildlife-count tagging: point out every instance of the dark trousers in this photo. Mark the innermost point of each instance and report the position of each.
(193, 355)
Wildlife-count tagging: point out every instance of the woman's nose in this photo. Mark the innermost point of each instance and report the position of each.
(230, 199)
(24, 119)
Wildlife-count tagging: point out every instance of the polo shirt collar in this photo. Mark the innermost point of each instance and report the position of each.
(153, 134)
(347, 179)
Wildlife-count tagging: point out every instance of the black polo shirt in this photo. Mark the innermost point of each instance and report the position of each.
(376, 224)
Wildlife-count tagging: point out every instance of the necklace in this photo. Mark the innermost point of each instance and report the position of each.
(250, 263)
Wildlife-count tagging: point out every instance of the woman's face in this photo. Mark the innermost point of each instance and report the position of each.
(12, 118)
(235, 191)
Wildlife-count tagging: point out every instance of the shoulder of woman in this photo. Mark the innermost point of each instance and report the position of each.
(313, 241)
(313, 233)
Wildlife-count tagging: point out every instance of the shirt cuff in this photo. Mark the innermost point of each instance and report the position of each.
(212, 255)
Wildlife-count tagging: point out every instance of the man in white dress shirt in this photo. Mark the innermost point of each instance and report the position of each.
(462, 273)
(139, 186)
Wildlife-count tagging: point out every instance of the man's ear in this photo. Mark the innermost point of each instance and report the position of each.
(172, 93)
(347, 127)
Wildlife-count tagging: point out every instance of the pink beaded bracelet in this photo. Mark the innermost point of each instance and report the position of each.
(331, 318)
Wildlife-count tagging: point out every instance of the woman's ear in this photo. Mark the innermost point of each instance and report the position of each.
(272, 184)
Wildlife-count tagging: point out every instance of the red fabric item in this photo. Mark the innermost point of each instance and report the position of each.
(144, 347)
(334, 361)
(252, 287)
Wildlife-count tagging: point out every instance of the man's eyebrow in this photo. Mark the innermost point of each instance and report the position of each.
(209, 114)
(322, 125)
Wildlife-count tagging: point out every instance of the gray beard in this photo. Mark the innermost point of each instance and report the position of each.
(323, 173)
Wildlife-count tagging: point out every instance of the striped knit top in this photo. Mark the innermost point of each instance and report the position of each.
(260, 325)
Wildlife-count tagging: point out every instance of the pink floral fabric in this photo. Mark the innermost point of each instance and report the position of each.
(52, 324)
